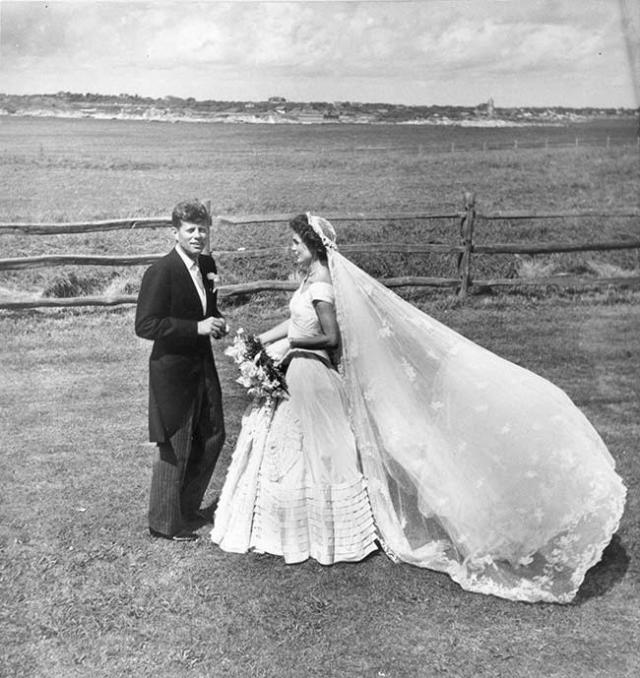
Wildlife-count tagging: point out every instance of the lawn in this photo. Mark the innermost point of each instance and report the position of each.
(86, 591)
(76, 170)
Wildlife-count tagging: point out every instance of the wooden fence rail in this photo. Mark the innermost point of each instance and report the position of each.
(465, 250)
(273, 219)
(224, 291)
(17, 263)
(556, 282)
(219, 220)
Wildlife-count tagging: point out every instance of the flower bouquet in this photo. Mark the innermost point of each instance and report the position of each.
(259, 373)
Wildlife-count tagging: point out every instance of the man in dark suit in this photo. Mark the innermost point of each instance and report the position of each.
(177, 310)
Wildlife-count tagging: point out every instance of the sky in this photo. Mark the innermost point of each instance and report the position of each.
(422, 52)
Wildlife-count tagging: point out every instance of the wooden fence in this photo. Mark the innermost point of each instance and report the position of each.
(463, 283)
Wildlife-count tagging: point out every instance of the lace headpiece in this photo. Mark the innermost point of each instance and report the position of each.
(323, 228)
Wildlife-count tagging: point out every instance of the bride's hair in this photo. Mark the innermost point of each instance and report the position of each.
(300, 225)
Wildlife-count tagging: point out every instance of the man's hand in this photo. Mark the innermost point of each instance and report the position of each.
(214, 327)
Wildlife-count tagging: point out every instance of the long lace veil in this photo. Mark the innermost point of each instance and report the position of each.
(475, 466)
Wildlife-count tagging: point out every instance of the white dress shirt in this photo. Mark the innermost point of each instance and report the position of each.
(196, 276)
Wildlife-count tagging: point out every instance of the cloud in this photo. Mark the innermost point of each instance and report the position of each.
(397, 43)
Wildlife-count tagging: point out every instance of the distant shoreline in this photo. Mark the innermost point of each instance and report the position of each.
(272, 120)
(279, 111)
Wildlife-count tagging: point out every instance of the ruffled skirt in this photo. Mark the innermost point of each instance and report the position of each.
(294, 487)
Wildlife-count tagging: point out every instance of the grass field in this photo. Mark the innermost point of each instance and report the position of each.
(78, 169)
(62, 170)
(86, 592)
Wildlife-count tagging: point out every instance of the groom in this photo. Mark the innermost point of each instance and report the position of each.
(177, 310)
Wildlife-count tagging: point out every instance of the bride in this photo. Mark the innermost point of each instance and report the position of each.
(448, 456)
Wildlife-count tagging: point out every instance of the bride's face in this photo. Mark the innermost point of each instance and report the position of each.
(301, 252)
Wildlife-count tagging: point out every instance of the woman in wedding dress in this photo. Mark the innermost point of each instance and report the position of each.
(448, 456)
(294, 487)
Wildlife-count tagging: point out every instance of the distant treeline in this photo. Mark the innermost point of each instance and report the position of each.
(12, 104)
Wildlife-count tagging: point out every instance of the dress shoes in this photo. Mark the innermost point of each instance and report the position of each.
(183, 535)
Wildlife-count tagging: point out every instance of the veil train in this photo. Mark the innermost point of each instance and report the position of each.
(475, 466)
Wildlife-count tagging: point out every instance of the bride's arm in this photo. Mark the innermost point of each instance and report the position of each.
(330, 336)
(280, 331)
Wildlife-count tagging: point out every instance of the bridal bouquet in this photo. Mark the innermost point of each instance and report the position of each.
(259, 373)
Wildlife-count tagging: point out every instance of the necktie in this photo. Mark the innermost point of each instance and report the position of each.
(197, 279)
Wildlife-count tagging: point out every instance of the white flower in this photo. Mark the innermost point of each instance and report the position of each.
(384, 331)
(410, 372)
(258, 374)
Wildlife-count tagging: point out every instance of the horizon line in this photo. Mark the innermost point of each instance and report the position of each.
(329, 102)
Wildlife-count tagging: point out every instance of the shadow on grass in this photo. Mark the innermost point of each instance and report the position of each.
(603, 576)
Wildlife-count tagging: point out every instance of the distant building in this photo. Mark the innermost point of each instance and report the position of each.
(310, 117)
(277, 100)
(486, 110)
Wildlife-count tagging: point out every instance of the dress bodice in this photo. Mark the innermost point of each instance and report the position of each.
(304, 320)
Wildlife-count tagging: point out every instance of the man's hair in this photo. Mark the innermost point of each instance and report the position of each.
(189, 210)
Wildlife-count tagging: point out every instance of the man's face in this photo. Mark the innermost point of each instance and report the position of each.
(191, 237)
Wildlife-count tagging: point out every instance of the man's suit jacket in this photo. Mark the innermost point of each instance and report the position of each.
(167, 313)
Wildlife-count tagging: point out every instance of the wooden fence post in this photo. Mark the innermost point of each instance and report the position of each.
(466, 237)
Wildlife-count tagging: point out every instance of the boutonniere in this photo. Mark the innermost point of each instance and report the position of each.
(214, 280)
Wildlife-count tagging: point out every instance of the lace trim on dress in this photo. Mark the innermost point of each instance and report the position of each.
(475, 466)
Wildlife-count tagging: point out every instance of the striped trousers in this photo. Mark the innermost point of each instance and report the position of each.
(184, 465)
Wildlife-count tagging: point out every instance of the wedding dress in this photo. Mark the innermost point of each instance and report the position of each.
(473, 465)
(294, 486)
